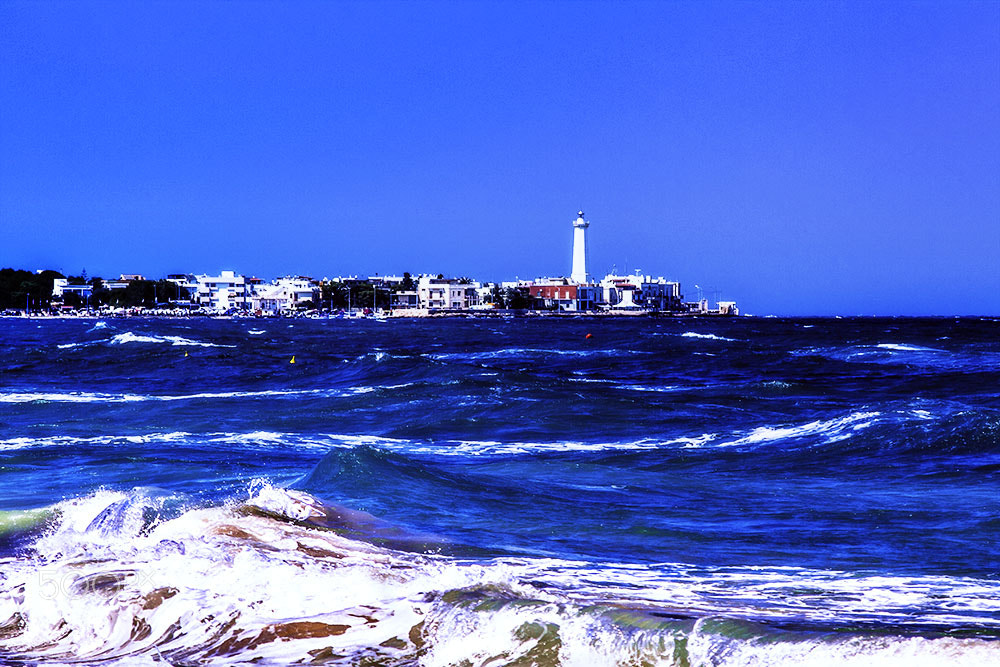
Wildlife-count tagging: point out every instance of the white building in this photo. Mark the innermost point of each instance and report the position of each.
(485, 296)
(223, 292)
(447, 293)
(728, 308)
(271, 299)
(300, 288)
(386, 281)
(640, 292)
(283, 295)
(123, 281)
(405, 299)
(61, 287)
(187, 287)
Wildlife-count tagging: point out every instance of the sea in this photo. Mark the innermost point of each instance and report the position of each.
(531, 491)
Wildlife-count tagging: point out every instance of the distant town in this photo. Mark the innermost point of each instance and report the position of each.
(47, 292)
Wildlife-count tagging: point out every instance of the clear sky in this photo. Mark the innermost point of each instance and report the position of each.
(801, 157)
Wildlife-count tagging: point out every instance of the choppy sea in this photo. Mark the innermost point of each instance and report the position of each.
(500, 492)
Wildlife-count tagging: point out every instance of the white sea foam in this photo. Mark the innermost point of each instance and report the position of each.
(640, 387)
(899, 347)
(68, 397)
(830, 430)
(465, 448)
(221, 585)
(256, 332)
(628, 387)
(895, 353)
(255, 440)
(821, 431)
(66, 346)
(817, 432)
(98, 397)
(129, 337)
(708, 336)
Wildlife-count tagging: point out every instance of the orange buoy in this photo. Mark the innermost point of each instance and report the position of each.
(589, 336)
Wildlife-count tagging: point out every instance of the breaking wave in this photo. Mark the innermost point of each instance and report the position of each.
(97, 397)
(899, 347)
(142, 578)
(708, 336)
(129, 337)
(819, 432)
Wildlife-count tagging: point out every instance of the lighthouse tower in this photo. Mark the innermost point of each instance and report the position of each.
(580, 225)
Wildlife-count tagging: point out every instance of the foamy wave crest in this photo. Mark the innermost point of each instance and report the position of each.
(464, 448)
(69, 397)
(820, 432)
(830, 430)
(615, 384)
(708, 336)
(97, 397)
(899, 347)
(896, 353)
(129, 337)
(140, 577)
(256, 440)
(67, 346)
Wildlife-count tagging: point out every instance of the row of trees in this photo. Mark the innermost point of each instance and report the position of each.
(24, 289)
(138, 293)
(510, 297)
(355, 294)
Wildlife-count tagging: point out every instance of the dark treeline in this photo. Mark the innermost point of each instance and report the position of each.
(24, 289)
(21, 289)
(139, 293)
(337, 295)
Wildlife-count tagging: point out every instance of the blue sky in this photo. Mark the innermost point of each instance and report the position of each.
(803, 158)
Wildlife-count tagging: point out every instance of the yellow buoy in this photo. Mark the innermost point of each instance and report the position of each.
(293, 359)
(185, 354)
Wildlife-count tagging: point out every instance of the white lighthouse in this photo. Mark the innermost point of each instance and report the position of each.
(580, 225)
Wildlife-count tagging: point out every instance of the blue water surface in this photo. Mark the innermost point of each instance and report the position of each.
(858, 445)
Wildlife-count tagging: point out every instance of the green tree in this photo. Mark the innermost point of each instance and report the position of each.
(101, 295)
(73, 300)
(17, 287)
(365, 295)
(497, 297)
(517, 298)
(168, 291)
(333, 295)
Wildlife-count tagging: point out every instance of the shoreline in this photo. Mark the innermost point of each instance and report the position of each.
(409, 315)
